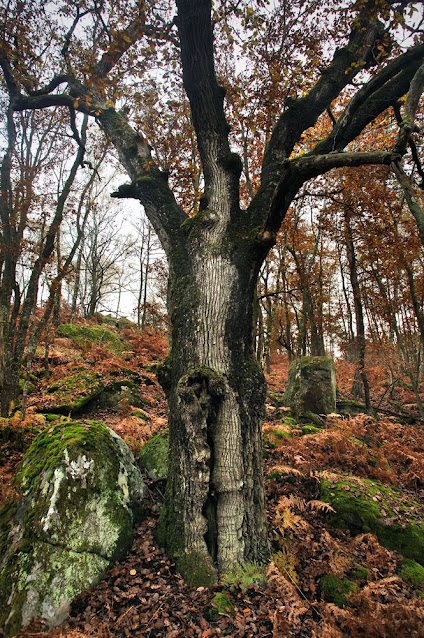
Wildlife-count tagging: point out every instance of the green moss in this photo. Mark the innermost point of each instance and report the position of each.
(412, 572)
(123, 324)
(276, 398)
(356, 510)
(281, 434)
(31, 386)
(196, 569)
(113, 393)
(407, 540)
(96, 334)
(288, 420)
(189, 225)
(79, 486)
(359, 572)
(153, 456)
(139, 414)
(19, 437)
(107, 319)
(220, 605)
(311, 429)
(267, 446)
(72, 393)
(321, 363)
(7, 514)
(58, 575)
(315, 419)
(336, 590)
(53, 417)
(274, 475)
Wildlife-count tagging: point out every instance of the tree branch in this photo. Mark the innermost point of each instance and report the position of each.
(373, 98)
(53, 84)
(297, 171)
(206, 100)
(411, 198)
(303, 113)
(410, 111)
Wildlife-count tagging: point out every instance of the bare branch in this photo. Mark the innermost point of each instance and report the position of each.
(410, 111)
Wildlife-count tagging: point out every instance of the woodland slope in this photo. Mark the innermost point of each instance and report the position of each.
(336, 571)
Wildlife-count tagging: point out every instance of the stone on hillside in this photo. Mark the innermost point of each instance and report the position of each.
(71, 394)
(153, 456)
(100, 335)
(86, 390)
(126, 389)
(80, 491)
(352, 408)
(365, 506)
(311, 386)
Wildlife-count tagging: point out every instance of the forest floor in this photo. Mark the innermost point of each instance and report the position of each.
(144, 596)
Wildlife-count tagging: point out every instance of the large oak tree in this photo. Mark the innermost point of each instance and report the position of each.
(214, 512)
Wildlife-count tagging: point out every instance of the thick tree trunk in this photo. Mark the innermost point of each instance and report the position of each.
(214, 510)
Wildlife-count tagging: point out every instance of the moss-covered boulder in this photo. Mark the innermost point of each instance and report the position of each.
(116, 392)
(364, 506)
(336, 590)
(311, 386)
(153, 456)
(100, 335)
(352, 408)
(412, 572)
(80, 492)
(123, 386)
(71, 394)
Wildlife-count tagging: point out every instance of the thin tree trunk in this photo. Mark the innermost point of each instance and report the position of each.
(359, 314)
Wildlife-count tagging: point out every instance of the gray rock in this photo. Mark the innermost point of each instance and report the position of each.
(311, 386)
(80, 489)
(154, 456)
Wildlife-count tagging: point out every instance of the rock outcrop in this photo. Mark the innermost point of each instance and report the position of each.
(81, 490)
(311, 386)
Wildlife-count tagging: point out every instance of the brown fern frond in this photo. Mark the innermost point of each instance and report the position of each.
(288, 469)
(320, 506)
(287, 521)
(292, 501)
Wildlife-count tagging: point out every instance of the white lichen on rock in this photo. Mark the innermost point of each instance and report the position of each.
(79, 468)
(58, 476)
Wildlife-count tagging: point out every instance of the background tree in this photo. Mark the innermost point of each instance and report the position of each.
(31, 220)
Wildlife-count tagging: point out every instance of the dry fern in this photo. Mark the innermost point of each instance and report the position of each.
(288, 470)
(286, 522)
(302, 504)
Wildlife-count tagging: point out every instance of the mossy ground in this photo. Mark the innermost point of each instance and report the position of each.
(369, 506)
(221, 604)
(412, 572)
(336, 590)
(101, 335)
(197, 570)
